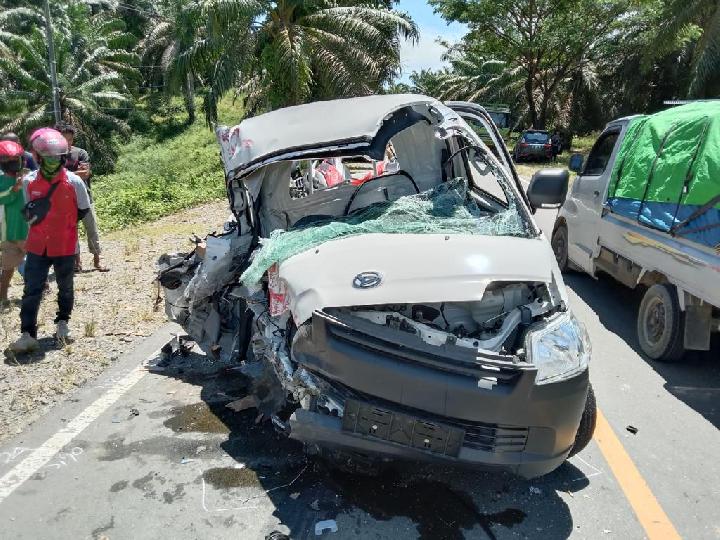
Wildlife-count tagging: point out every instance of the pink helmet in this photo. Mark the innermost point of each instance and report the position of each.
(10, 149)
(48, 142)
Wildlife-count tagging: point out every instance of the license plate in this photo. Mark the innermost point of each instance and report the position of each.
(366, 419)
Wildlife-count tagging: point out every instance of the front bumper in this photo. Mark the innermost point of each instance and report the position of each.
(484, 411)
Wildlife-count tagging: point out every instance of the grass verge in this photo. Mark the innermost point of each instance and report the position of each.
(172, 167)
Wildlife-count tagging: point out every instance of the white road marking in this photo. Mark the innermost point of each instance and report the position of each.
(21, 472)
(230, 509)
(254, 497)
(585, 476)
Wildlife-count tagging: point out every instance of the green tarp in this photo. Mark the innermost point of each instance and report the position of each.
(668, 167)
(662, 151)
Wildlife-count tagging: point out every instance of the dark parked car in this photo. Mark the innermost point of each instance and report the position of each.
(533, 145)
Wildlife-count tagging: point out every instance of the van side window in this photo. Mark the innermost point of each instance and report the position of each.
(600, 154)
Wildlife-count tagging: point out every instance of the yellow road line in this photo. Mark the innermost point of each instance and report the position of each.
(652, 517)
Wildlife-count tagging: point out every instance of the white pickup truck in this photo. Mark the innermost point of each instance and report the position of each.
(681, 306)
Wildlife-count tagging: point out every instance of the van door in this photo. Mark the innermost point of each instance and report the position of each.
(589, 192)
(480, 120)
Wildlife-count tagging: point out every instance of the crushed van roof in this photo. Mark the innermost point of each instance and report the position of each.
(322, 123)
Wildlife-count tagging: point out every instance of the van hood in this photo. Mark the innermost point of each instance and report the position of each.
(379, 269)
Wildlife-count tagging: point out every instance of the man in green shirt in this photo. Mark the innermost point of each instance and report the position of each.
(13, 227)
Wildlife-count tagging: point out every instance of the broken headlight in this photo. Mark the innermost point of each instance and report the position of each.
(560, 348)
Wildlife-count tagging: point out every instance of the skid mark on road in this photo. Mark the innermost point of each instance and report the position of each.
(652, 517)
(43, 455)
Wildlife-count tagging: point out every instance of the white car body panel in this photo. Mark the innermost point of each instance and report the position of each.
(414, 269)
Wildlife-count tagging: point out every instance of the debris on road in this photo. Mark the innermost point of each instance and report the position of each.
(248, 402)
(632, 429)
(327, 525)
(183, 461)
(134, 412)
(315, 505)
(535, 490)
(277, 535)
(295, 495)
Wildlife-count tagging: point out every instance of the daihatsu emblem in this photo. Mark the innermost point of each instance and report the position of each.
(367, 280)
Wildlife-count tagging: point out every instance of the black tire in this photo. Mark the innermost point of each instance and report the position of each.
(559, 243)
(661, 324)
(587, 424)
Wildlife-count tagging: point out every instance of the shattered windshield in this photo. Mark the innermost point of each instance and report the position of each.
(448, 208)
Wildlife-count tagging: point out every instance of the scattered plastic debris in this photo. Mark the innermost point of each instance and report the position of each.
(183, 461)
(239, 466)
(295, 495)
(632, 429)
(134, 412)
(327, 525)
(606, 531)
(115, 420)
(200, 448)
(315, 505)
(535, 490)
(277, 535)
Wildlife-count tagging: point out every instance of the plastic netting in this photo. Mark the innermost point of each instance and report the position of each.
(445, 209)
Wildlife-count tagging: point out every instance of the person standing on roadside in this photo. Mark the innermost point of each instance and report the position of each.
(59, 200)
(13, 228)
(78, 161)
(28, 160)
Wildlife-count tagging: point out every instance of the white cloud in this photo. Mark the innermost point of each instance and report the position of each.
(427, 53)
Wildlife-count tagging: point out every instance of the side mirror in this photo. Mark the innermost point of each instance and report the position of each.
(576, 163)
(548, 188)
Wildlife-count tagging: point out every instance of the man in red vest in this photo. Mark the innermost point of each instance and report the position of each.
(52, 239)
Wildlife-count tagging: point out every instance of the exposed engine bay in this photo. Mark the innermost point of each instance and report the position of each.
(491, 324)
(494, 324)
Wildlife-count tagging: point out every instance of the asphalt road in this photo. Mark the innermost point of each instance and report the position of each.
(146, 453)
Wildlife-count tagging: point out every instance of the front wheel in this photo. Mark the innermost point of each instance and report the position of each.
(661, 324)
(587, 424)
(559, 243)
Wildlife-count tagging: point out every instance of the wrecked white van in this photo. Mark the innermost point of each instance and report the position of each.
(384, 283)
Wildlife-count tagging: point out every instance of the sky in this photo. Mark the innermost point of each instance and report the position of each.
(426, 54)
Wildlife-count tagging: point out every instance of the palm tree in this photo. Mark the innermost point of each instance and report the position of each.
(289, 52)
(168, 51)
(678, 20)
(474, 77)
(92, 74)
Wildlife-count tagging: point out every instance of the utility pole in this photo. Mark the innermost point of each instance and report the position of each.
(51, 54)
